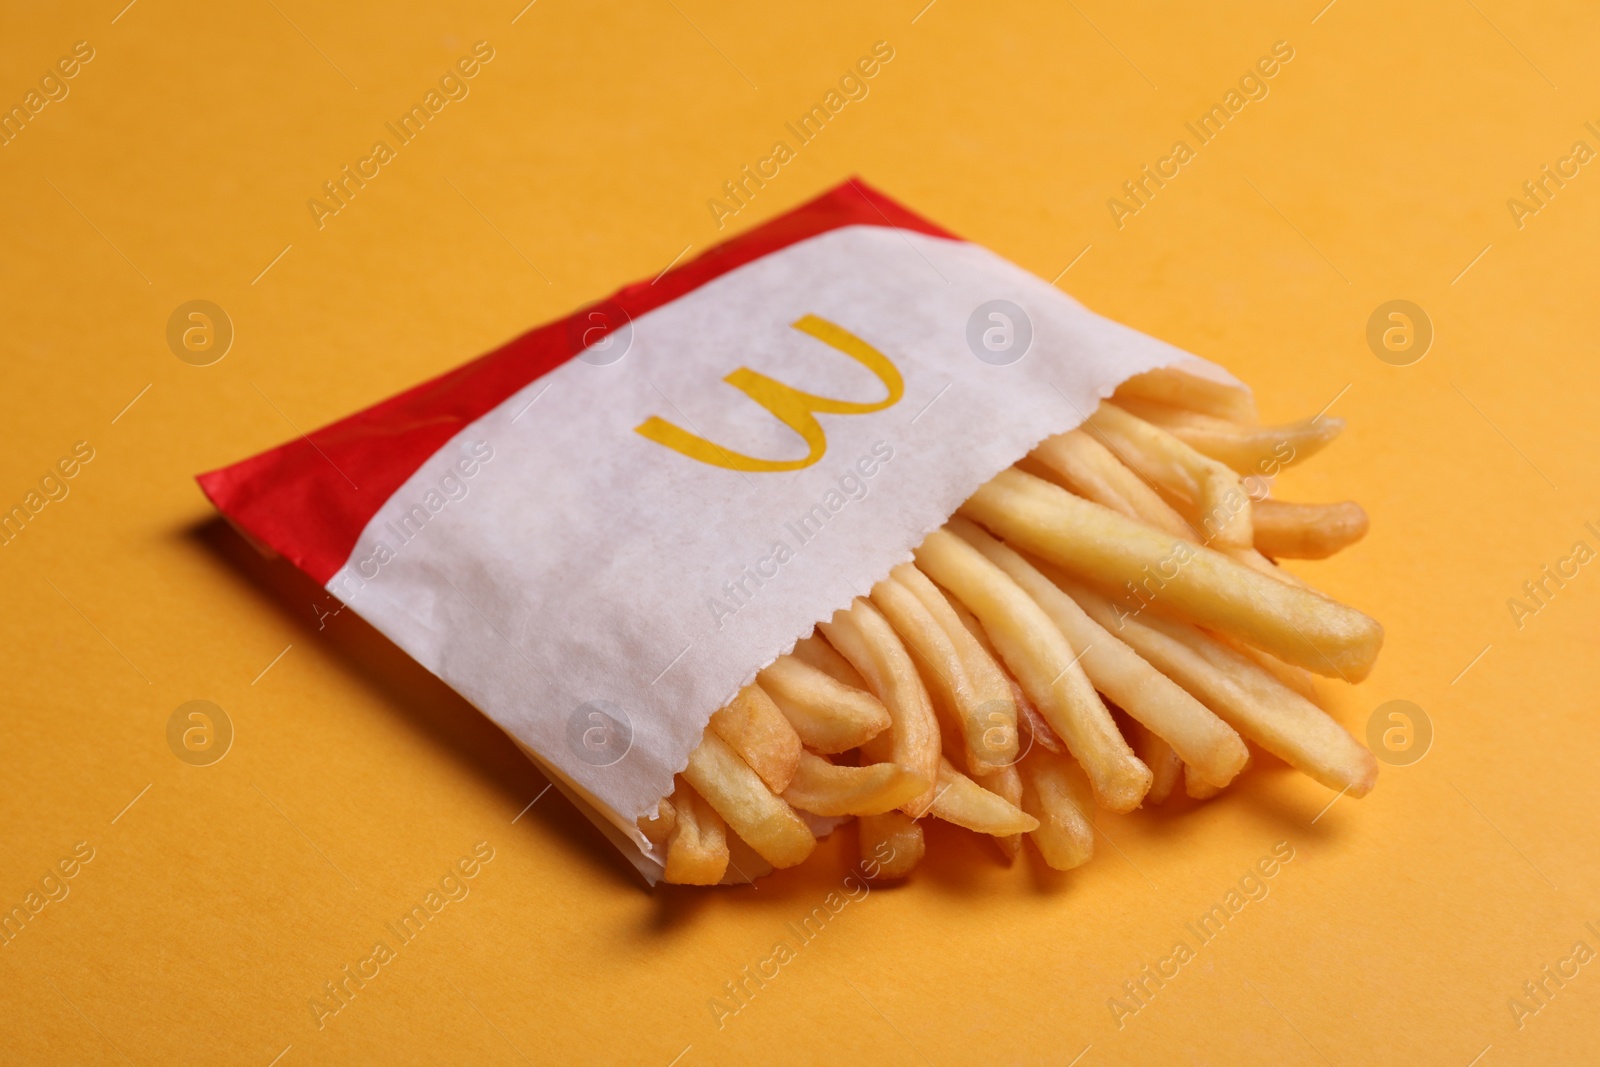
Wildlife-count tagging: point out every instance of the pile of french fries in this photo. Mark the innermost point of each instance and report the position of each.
(1096, 623)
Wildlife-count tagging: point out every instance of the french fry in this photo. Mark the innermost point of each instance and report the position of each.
(1219, 508)
(1196, 786)
(1200, 738)
(941, 670)
(891, 845)
(745, 864)
(823, 788)
(1037, 729)
(1261, 565)
(999, 699)
(981, 708)
(1244, 694)
(697, 847)
(1030, 724)
(829, 715)
(739, 795)
(754, 728)
(1248, 449)
(1306, 531)
(1079, 462)
(1165, 765)
(1044, 663)
(1054, 793)
(1006, 782)
(659, 827)
(1299, 679)
(994, 686)
(965, 803)
(1295, 624)
(865, 638)
(970, 681)
(815, 650)
(968, 620)
(1179, 389)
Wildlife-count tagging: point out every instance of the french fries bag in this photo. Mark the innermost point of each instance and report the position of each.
(598, 532)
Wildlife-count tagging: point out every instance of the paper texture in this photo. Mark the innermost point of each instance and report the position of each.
(599, 594)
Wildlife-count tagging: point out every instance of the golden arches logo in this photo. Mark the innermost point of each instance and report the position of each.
(795, 409)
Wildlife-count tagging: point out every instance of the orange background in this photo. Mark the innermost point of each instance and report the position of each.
(214, 907)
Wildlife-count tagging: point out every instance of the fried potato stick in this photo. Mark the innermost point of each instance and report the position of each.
(890, 845)
(967, 804)
(999, 698)
(1295, 624)
(1053, 792)
(1044, 663)
(1196, 786)
(1262, 565)
(1299, 679)
(697, 847)
(1306, 531)
(829, 715)
(1006, 783)
(754, 727)
(1219, 506)
(1242, 693)
(658, 828)
(738, 794)
(1200, 738)
(824, 788)
(1030, 724)
(815, 650)
(981, 708)
(1165, 765)
(1081, 463)
(1248, 449)
(744, 862)
(865, 638)
(1180, 389)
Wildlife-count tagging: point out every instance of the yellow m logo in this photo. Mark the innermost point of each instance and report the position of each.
(795, 409)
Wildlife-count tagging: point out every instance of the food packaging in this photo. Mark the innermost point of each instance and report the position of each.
(599, 531)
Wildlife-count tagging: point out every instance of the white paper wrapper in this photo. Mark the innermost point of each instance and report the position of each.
(599, 594)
